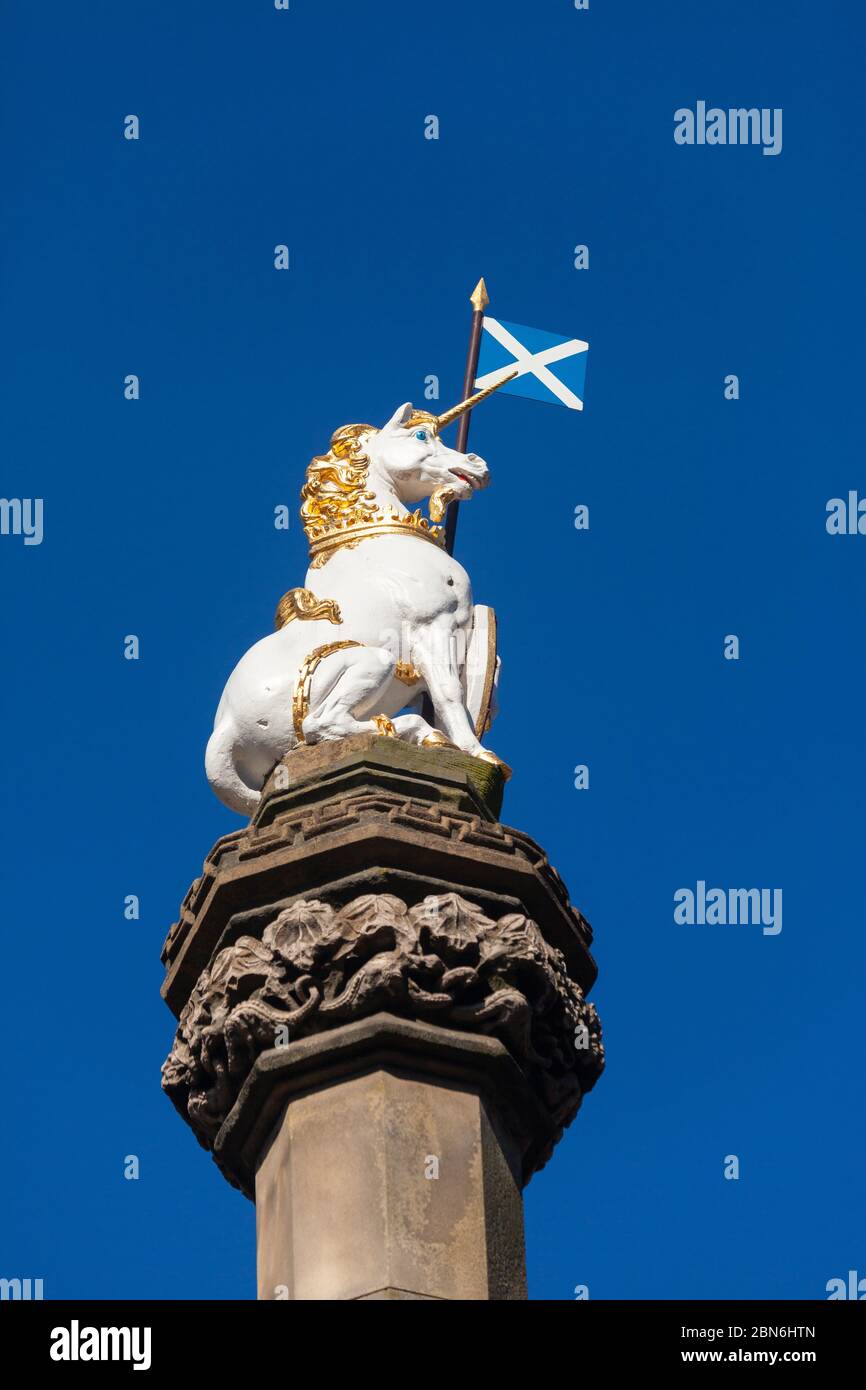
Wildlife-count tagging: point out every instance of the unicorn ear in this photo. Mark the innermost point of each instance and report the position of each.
(400, 416)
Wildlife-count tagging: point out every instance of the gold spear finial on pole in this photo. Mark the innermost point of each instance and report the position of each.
(472, 401)
(479, 298)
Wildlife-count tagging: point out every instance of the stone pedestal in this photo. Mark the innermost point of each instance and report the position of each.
(383, 1024)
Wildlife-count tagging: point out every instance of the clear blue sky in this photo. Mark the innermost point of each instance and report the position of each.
(155, 257)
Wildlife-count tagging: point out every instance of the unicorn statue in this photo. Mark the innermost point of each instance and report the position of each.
(385, 617)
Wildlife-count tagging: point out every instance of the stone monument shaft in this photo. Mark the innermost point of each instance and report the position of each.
(383, 1028)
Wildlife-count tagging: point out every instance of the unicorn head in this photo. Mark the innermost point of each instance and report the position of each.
(370, 472)
(408, 459)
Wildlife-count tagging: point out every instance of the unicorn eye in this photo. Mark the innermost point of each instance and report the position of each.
(421, 434)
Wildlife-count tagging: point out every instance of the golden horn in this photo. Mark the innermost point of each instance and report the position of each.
(452, 414)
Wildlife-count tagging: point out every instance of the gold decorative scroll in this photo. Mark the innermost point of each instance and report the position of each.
(404, 671)
(302, 603)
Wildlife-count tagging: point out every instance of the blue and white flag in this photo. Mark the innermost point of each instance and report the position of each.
(550, 368)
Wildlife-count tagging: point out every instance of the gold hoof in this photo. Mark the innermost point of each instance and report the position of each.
(437, 739)
(384, 725)
(488, 756)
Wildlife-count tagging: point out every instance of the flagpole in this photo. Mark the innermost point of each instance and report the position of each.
(479, 300)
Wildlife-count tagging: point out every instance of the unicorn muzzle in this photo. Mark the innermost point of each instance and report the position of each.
(472, 471)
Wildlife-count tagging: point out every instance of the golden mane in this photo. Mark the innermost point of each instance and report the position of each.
(335, 493)
(337, 507)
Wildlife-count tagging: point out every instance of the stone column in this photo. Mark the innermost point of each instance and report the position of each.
(383, 1025)
(390, 1172)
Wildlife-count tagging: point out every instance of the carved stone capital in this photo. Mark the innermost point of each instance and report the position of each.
(371, 814)
(318, 967)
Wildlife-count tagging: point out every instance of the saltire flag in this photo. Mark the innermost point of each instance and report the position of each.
(550, 368)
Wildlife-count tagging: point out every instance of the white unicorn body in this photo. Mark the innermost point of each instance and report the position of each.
(385, 617)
